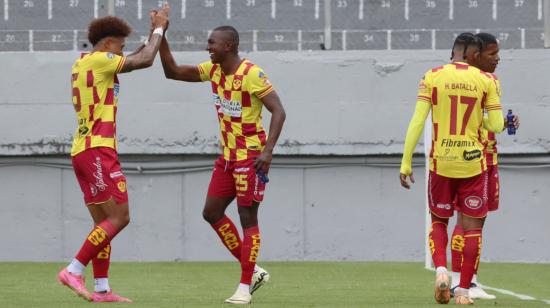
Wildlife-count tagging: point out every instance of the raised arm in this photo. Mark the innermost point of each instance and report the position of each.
(172, 70)
(273, 103)
(145, 56)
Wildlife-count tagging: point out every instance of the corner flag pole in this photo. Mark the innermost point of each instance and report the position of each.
(428, 222)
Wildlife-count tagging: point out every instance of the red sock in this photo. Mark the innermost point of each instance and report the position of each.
(457, 244)
(226, 230)
(471, 253)
(96, 241)
(101, 263)
(438, 241)
(249, 253)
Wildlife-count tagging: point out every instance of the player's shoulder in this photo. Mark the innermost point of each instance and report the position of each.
(250, 68)
(432, 72)
(253, 71)
(100, 55)
(208, 67)
(492, 76)
(436, 69)
(103, 57)
(484, 75)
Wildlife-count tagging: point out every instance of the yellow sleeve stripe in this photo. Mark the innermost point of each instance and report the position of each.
(201, 71)
(496, 107)
(265, 92)
(120, 65)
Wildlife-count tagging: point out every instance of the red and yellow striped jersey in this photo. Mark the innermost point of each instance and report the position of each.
(237, 99)
(95, 90)
(458, 94)
(489, 137)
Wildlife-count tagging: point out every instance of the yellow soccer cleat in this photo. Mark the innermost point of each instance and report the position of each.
(462, 297)
(442, 294)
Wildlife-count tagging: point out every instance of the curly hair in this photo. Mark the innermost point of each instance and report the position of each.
(103, 27)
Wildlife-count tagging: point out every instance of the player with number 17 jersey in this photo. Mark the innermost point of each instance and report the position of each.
(457, 101)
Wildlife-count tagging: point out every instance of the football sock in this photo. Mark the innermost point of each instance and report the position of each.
(244, 287)
(226, 230)
(96, 241)
(101, 285)
(441, 270)
(249, 253)
(101, 263)
(457, 244)
(471, 253)
(455, 279)
(75, 267)
(438, 241)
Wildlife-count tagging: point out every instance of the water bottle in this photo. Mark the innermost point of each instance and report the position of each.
(510, 123)
(262, 176)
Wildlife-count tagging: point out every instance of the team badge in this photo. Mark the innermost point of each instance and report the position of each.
(121, 186)
(237, 83)
(473, 202)
(110, 55)
(263, 77)
(83, 131)
(93, 190)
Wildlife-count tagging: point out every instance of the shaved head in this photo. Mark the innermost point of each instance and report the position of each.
(229, 34)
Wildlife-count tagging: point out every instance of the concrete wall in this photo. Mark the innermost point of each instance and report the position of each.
(337, 212)
(338, 104)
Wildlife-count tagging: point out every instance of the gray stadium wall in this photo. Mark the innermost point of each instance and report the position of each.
(334, 192)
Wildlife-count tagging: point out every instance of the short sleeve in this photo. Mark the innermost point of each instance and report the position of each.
(108, 63)
(258, 83)
(204, 70)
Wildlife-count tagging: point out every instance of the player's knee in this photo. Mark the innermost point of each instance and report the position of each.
(248, 220)
(125, 220)
(121, 220)
(210, 216)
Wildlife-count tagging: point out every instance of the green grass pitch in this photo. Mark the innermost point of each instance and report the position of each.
(292, 284)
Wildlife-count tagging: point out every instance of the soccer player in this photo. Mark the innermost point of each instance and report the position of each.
(95, 90)
(457, 95)
(489, 58)
(240, 90)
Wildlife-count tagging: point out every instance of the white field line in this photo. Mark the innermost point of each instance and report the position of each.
(508, 292)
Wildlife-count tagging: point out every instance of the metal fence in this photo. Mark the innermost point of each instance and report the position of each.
(37, 25)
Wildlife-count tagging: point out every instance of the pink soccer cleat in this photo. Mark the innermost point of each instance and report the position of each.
(75, 283)
(102, 297)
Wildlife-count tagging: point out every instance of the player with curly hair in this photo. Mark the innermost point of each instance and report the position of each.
(95, 91)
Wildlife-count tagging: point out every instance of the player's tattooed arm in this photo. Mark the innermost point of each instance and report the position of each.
(146, 56)
(172, 70)
(143, 45)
